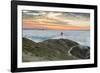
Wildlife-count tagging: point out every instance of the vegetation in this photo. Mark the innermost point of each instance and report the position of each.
(48, 50)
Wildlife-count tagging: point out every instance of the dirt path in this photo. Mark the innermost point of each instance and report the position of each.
(69, 51)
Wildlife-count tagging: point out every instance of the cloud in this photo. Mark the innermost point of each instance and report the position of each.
(56, 18)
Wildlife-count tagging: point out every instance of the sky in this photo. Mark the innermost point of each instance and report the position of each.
(55, 20)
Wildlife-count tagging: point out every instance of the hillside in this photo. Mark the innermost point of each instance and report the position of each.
(53, 49)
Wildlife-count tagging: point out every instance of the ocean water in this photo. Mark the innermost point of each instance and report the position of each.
(82, 37)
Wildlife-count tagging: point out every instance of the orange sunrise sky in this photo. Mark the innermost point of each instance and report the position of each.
(55, 20)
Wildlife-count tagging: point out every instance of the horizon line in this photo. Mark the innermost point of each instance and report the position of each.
(54, 29)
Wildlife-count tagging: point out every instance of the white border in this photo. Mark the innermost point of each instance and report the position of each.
(53, 63)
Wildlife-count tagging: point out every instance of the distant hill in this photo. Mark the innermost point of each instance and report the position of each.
(53, 49)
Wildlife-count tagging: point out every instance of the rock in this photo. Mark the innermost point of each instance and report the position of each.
(81, 51)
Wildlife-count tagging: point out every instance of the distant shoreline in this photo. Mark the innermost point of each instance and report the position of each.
(52, 29)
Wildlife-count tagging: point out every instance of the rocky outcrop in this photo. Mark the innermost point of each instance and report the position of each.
(81, 51)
